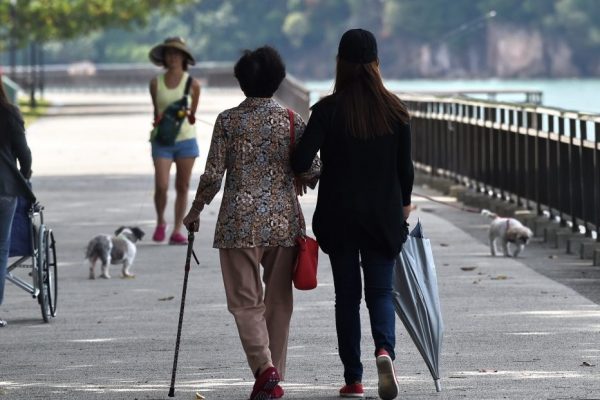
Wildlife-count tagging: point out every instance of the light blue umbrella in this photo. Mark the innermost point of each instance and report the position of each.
(417, 301)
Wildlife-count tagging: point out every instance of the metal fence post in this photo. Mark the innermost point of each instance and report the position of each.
(582, 137)
(537, 175)
(549, 176)
(572, 210)
(502, 151)
(559, 182)
(515, 118)
(596, 164)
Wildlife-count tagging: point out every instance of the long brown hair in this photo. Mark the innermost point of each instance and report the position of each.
(368, 108)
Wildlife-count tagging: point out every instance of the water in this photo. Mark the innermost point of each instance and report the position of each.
(570, 94)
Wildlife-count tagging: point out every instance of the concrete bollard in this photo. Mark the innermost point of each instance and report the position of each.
(556, 236)
(456, 190)
(504, 209)
(442, 185)
(480, 202)
(562, 237)
(582, 246)
(496, 207)
(527, 219)
(588, 248)
(470, 198)
(540, 224)
(462, 195)
(422, 179)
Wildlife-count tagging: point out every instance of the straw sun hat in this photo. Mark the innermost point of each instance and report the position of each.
(157, 53)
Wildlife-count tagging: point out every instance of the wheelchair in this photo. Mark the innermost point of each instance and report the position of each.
(34, 245)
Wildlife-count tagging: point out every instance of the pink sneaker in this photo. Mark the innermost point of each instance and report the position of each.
(277, 392)
(264, 384)
(159, 233)
(354, 390)
(388, 383)
(178, 239)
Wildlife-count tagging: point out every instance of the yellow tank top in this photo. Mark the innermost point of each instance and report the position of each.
(166, 96)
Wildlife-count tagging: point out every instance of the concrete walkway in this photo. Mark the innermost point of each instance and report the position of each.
(511, 332)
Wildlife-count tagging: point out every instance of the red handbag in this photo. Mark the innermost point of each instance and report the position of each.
(305, 270)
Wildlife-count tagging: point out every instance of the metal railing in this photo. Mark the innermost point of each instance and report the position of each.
(529, 96)
(541, 158)
(86, 75)
(127, 77)
(544, 159)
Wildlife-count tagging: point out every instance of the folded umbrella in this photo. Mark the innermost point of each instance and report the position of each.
(416, 299)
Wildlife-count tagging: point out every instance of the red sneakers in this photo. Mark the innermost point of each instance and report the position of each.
(277, 392)
(177, 238)
(388, 384)
(352, 390)
(265, 384)
(159, 233)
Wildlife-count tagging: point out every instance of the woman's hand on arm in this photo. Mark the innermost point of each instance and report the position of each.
(310, 178)
(300, 187)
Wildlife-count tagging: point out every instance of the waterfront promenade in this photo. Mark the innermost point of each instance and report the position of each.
(512, 332)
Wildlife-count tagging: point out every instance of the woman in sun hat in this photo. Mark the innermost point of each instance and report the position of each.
(362, 131)
(167, 87)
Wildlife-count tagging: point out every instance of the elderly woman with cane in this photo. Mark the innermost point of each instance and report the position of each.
(258, 221)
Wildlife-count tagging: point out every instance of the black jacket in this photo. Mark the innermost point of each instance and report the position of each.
(364, 183)
(13, 147)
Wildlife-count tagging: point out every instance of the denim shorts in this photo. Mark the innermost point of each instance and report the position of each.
(183, 149)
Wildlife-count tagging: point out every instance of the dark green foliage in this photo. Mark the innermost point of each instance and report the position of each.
(306, 32)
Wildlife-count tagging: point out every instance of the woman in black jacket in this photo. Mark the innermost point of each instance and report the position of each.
(13, 147)
(363, 133)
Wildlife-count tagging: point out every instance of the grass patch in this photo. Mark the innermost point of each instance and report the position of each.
(31, 114)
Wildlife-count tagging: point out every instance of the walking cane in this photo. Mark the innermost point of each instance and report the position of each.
(190, 252)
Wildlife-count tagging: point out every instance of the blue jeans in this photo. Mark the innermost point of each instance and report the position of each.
(378, 271)
(8, 204)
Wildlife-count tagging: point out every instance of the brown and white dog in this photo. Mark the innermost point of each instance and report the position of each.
(117, 249)
(509, 231)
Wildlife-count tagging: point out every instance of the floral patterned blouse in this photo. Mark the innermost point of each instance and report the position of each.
(252, 143)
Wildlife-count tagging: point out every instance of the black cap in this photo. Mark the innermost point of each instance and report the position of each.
(358, 46)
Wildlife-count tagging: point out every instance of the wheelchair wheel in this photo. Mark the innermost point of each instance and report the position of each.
(50, 270)
(41, 274)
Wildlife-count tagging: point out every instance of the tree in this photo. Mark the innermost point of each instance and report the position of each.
(306, 32)
(43, 20)
(38, 21)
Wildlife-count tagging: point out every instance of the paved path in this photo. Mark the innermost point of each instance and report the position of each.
(511, 333)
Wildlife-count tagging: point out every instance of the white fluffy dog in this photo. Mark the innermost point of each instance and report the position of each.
(117, 249)
(507, 231)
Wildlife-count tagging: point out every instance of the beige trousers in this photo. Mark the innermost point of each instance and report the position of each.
(262, 317)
